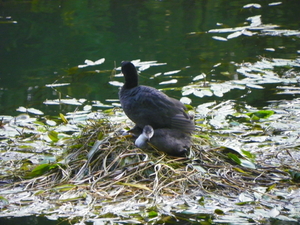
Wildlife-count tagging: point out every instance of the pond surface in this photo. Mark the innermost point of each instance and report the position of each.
(43, 43)
(196, 49)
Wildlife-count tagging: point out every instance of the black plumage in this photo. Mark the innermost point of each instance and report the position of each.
(171, 141)
(146, 105)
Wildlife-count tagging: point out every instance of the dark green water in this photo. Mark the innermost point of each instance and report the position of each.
(44, 41)
(48, 38)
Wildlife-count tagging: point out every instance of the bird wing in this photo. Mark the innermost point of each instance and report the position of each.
(156, 108)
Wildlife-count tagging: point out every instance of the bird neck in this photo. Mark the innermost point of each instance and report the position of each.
(131, 82)
(141, 140)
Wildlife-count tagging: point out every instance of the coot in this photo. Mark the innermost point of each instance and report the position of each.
(171, 141)
(146, 105)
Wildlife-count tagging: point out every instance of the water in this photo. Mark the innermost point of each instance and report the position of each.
(31, 220)
(49, 39)
(41, 42)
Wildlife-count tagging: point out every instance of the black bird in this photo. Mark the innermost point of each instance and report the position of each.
(146, 105)
(171, 141)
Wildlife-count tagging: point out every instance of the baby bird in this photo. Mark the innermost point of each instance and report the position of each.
(171, 141)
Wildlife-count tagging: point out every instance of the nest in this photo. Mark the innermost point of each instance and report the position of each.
(109, 164)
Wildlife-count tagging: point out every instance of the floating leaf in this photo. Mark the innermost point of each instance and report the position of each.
(248, 154)
(255, 20)
(172, 72)
(234, 35)
(246, 203)
(100, 104)
(275, 3)
(218, 38)
(199, 77)
(247, 33)
(244, 197)
(21, 109)
(235, 158)
(270, 188)
(4, 201)
(157, 74)
(198, 93)
(73, 101)
(225, 30)
(35, 111)
(52, 102)
(99, 61)
(207, 92)
(254, 5)
(270, 49)
(41, 170)
(116, 83)
(51, 122)
(82, 100)
(53, 135)
(187, 90)
(255, 86)
(57, 85)
(152, 214)
(144, 67)
(91, 63)
(186, 100)
(173, 81)
(295, 176)
(217, 65)
(87, 108)
(63, 118)
(247, 163)
(274, 212)
(263, 114)
(219, 212)
(201, 201)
